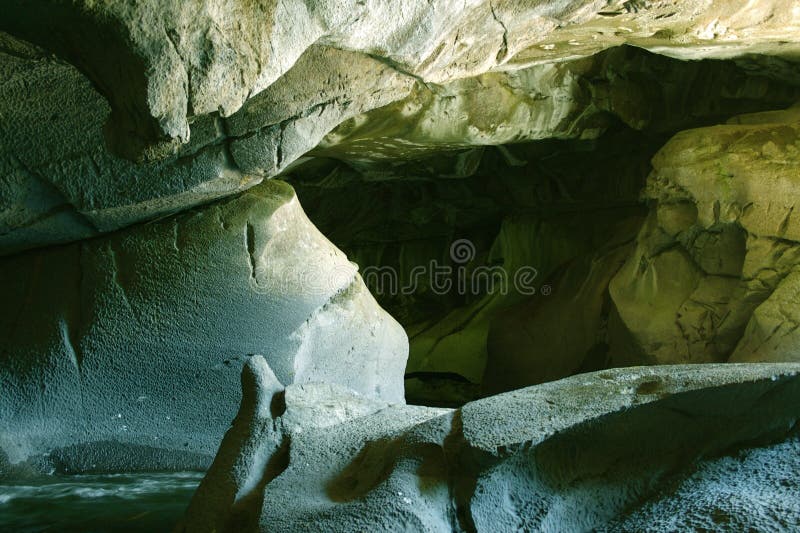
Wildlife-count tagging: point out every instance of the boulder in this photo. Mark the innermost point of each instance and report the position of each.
(720, 238)
(139, 337)
(575, 454)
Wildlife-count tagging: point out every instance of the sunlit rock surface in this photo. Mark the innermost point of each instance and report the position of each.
(575, 99)
(161, 64)
(137, 339)
(582, 453)
(59, 183)
(210, 100)
(714, 262)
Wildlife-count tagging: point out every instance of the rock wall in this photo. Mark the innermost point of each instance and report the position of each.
(567, 208)
(60, 183)
(138, 338)
(217, 133)
(574, 99)
(521, 207)
(146, 254)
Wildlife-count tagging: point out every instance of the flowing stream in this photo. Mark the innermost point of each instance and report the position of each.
(100, 503)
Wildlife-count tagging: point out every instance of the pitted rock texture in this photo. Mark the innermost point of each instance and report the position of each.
(714, 264)
(138, 338)
(162, 63)
(755, 490)
(578, 454)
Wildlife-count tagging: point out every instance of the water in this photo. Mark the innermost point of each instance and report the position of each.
(97, 503)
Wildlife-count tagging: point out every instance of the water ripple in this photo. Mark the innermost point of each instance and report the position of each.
(97, 503)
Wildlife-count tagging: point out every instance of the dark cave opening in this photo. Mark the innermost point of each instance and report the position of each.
(561, 205)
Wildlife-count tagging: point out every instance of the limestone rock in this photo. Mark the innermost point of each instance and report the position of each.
(718, 241)
(743, 172)
(771, 333)
(161, 64)
(139, 337)
(558, 334)
(577, 454)
(576, 99)
(754, 490)
(59, 183)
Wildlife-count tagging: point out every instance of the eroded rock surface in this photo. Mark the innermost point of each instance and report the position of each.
(162, 63)
(715, 261)
(406, 127)
(526, 210)
(754, 490)
(218, 98)
(138, 338)
(59, 183)
(576, 99)
(577, 454)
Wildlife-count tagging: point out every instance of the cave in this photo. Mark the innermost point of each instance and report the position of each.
(358, 266)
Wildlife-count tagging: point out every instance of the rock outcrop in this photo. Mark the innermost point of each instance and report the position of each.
(526, 209)
(137, 339)
(582, 453)
(546, 204)
(719, 248)
(575, 99)
(147, 256)
(217, 99)
(60, 183)
(546, 338)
